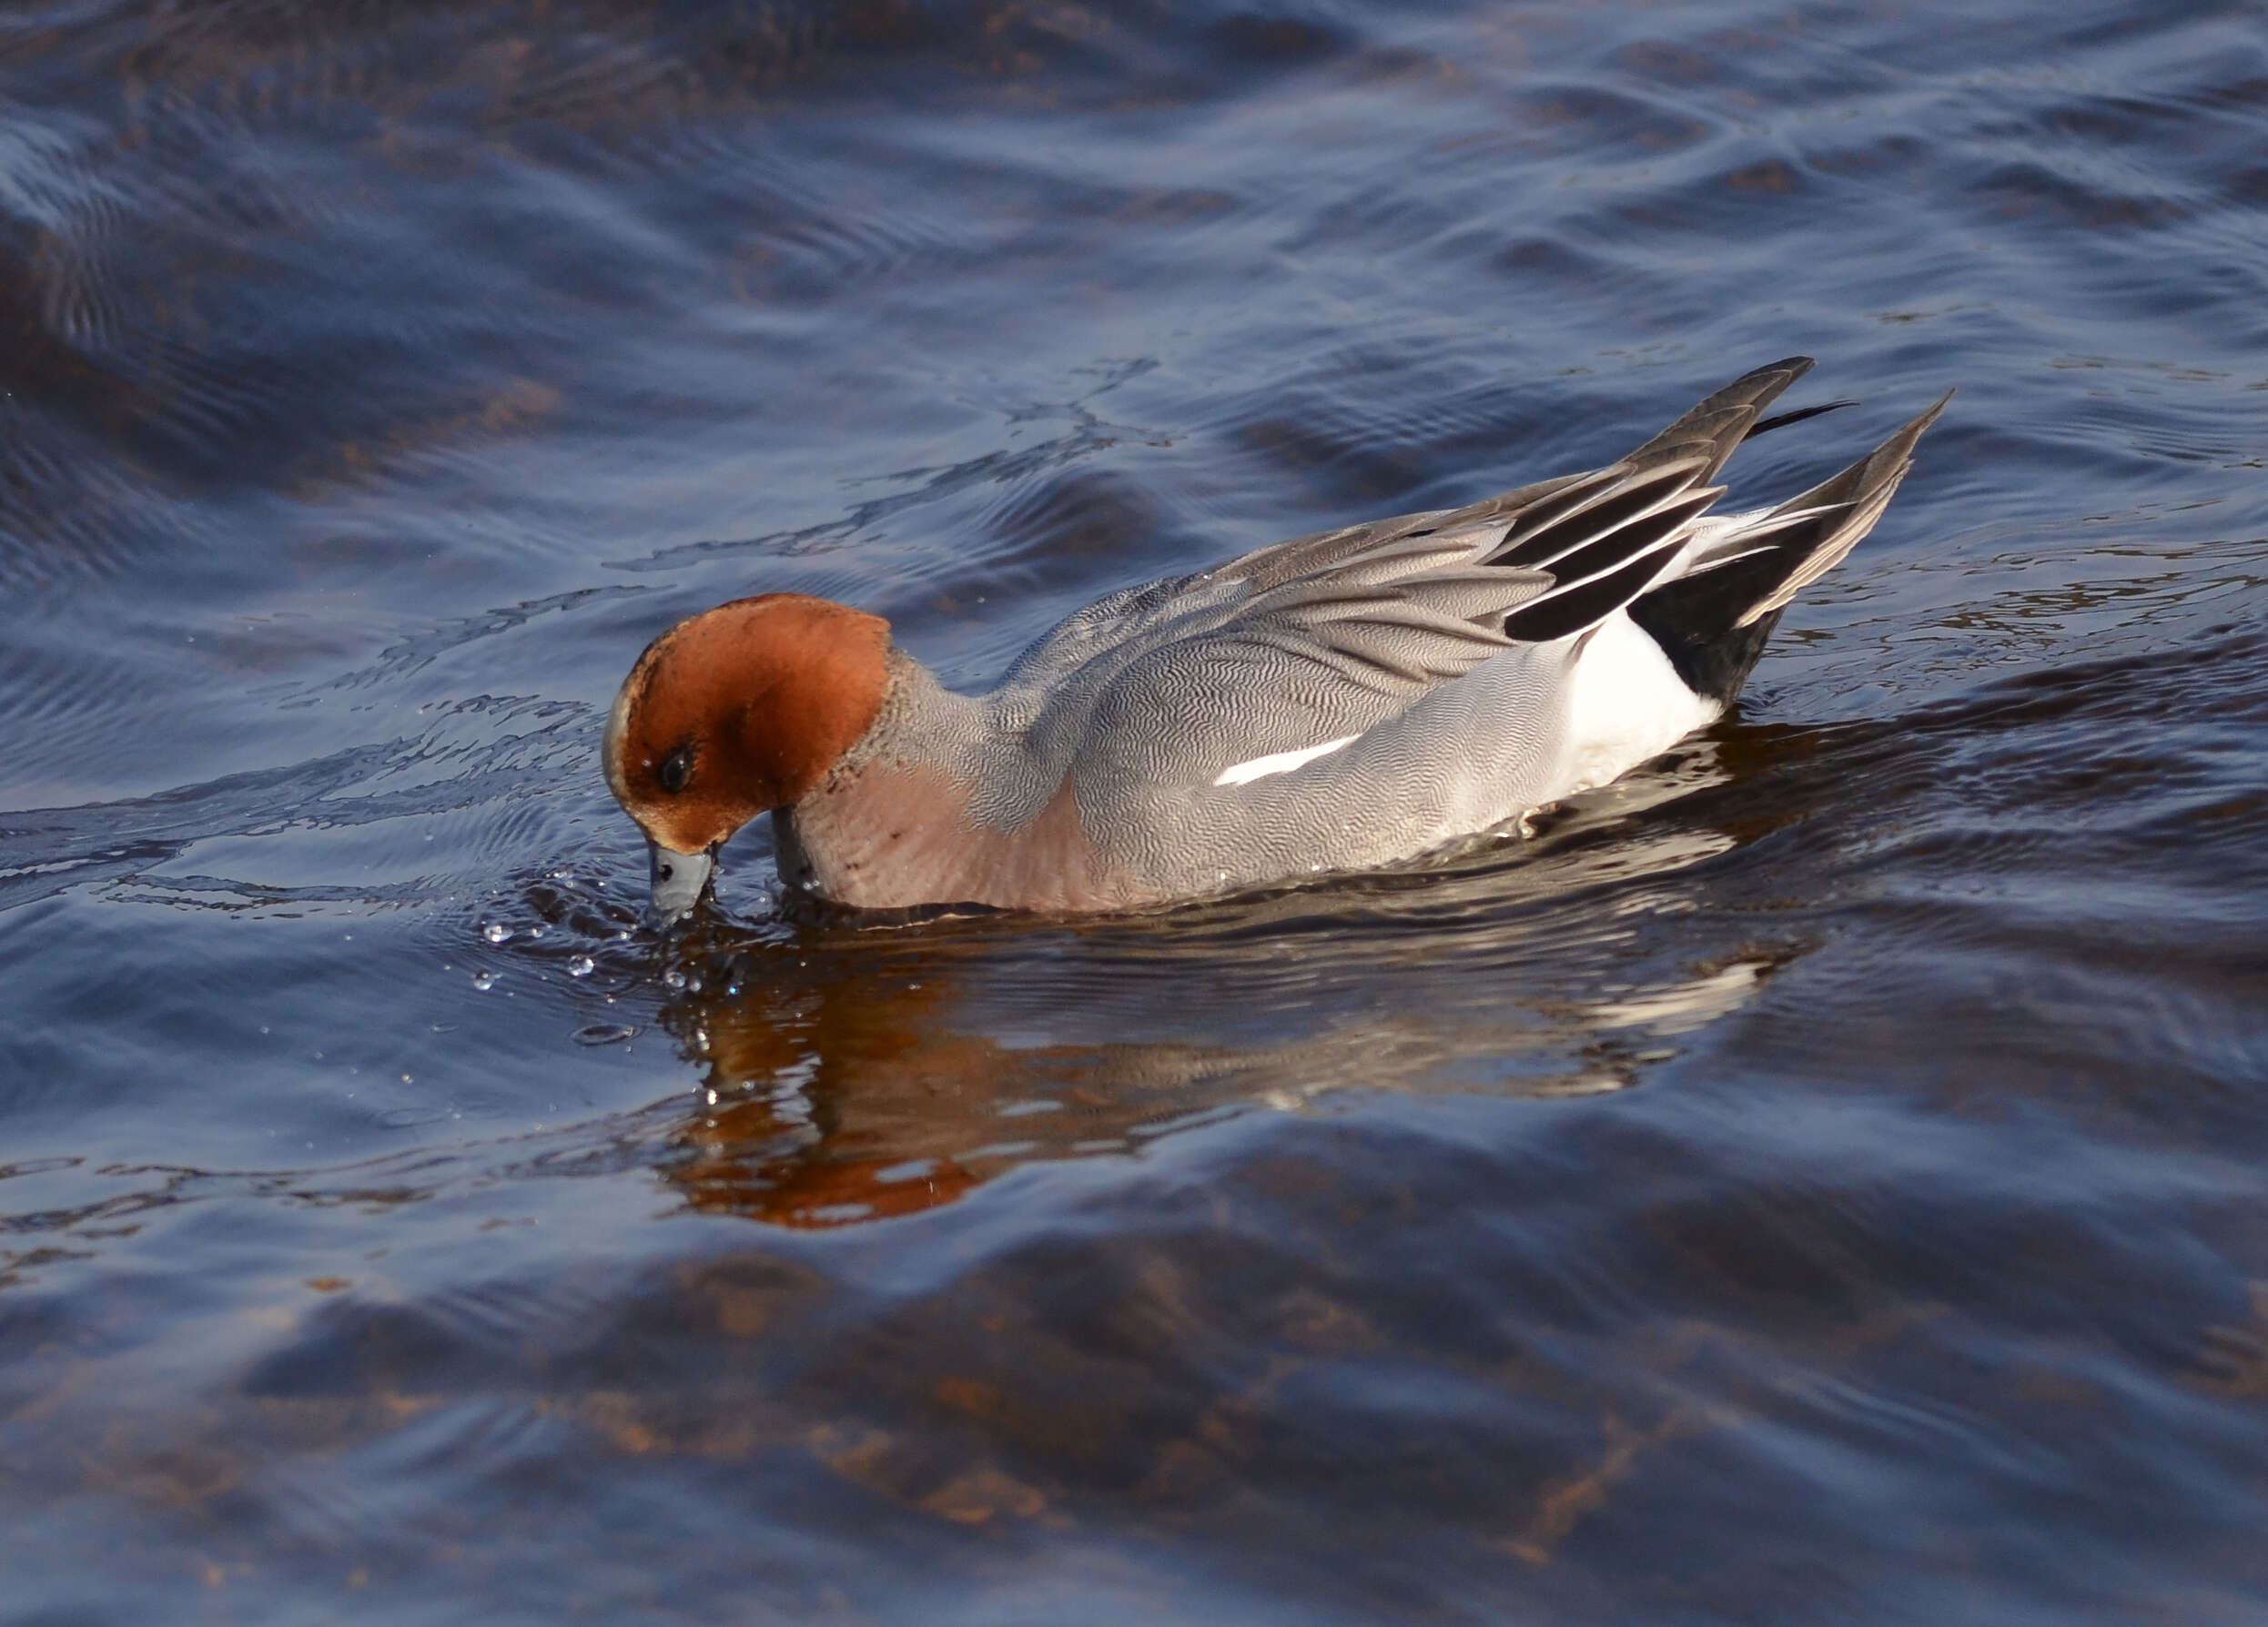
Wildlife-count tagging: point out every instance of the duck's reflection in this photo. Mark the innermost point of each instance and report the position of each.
(834, 1094)
(858, 1085)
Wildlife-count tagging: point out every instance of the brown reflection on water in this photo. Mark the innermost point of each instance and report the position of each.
(847, 1079)
(864, 1098)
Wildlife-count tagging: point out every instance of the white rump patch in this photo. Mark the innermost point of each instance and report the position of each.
(1279, 762)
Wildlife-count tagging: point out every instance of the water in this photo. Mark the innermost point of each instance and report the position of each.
(1817, 1179)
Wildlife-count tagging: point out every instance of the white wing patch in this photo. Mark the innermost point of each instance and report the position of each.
(1279, 762)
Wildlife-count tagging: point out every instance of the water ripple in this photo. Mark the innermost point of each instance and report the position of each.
(1815, 1178)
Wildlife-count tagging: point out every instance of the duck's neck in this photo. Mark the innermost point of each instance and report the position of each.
(936, 806)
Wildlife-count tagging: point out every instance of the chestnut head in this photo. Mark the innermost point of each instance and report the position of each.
(732, 714)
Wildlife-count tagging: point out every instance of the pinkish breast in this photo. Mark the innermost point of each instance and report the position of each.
(894, 837)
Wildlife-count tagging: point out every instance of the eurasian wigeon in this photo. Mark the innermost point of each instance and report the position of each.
(1334, 703)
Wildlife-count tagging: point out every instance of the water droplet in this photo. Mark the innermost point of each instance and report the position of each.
(485, 981)
(671, 979)
(496, 932)
(582, 966)
(535, 932)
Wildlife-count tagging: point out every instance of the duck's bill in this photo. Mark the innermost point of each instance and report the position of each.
(679, 880)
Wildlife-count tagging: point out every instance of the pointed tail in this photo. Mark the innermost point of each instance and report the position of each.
(1713, 621)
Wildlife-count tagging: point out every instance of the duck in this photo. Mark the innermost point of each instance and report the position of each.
(1339, 702)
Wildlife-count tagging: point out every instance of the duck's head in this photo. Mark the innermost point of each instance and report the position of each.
(732, 714)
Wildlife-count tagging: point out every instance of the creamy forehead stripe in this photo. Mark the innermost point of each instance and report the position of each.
(1279, 762)
(610, 748)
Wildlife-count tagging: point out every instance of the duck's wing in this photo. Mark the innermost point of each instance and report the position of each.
(1602, 537)
(1327, 636)
(1573, 526)
(1537, 524)
(1425, 582)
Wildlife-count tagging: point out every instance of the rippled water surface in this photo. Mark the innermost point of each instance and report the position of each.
(1823, 1178)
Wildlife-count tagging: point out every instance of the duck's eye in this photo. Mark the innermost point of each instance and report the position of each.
(676, 770)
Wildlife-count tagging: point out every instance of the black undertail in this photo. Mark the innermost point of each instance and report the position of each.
(1697, 621)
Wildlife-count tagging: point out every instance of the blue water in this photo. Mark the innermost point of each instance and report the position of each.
(1821, 1179)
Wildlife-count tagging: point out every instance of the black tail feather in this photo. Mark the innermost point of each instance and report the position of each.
(1781, 420)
